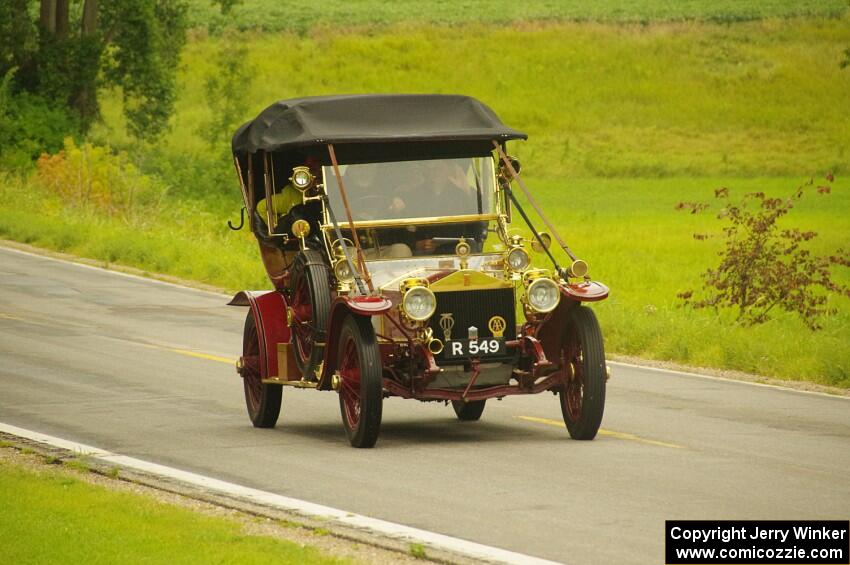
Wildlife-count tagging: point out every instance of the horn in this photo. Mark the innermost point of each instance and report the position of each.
(435, 346)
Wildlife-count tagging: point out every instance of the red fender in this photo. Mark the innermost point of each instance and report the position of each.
(340, 308)
(549, 332)
(590, 291)
(269, 310)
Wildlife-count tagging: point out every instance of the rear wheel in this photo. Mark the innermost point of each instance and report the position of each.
(582, 360)
(468, 411)
(360, 384)
(310, 304)
(262, 400)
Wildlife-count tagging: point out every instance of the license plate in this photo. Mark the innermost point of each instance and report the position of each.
(474, 348)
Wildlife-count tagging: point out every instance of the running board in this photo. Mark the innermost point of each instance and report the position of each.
(296, 384)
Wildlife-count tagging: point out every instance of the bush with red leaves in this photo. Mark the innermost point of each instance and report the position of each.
(764, 267)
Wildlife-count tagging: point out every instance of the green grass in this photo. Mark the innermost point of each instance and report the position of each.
(756, 99)
(271, 15)
(187, 240)
(49, 516)
(417, 550)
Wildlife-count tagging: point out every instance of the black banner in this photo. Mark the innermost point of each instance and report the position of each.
(808, 542)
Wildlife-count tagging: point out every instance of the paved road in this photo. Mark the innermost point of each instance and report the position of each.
(139, 367)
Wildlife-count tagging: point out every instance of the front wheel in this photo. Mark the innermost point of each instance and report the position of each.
(468, 411)
(262, 400)
(582, 360)
(360, 381)
(310, 303)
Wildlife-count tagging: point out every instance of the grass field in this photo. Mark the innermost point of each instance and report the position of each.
(625, 120)
(270, 15)
(50, 516)
(761, 98)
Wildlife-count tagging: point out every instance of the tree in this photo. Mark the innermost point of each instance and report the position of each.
(764, 266)
(83, 45)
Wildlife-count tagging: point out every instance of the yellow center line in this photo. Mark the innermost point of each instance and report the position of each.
(5, 316)
(609, 433)
(190, 353)
(207, 356)
(546, 421)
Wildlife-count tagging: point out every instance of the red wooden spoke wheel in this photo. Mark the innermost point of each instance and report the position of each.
(582, 361)
(310, 304)
(262, 400)
(360, 384)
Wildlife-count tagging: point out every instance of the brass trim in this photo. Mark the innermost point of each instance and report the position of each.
(447, 322)
(311, 181)
(286, 366)
(411, 282)
(469, 280)
(547, 242)
(296, 384)
(536, 281)
(517, 273)
(405, 287)
(418, 221)
(579, 268)
(532, 274)
(301, 228)
(497, 326)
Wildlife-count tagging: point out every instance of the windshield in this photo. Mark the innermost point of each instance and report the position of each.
(414, 189)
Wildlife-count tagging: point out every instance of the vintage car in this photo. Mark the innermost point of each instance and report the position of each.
(384, 222)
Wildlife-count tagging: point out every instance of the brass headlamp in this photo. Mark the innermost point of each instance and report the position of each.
(302, 178)
(418, 302)
(542, 294)
(516, 257)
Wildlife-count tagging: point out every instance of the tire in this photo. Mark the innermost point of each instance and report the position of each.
(360, 383)
(468, 411)
(310, 303)
(262, 400)
(583, 397)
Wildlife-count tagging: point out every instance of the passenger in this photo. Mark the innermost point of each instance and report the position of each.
(277, 256)
(287, 198)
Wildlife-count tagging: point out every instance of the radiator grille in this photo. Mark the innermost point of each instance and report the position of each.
(475, 308)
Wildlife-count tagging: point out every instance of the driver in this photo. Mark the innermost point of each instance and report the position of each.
(361, 183)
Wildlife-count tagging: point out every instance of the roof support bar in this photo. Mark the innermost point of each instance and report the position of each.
(533, 202)
(361, 260)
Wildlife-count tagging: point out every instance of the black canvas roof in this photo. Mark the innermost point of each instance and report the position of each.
(366, 125)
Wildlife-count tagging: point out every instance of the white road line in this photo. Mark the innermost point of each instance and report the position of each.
(724, 379)
(382, 527)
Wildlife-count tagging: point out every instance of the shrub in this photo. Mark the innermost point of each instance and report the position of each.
(89, 176)
(29, 125)
(763, 266)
